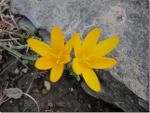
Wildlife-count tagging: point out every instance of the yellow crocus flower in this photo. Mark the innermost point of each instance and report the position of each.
(90, 55)
(53, 56)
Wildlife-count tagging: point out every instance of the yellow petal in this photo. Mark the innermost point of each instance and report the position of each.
(106, 46)
(57, 38)
(102, 63)
(70, 43)
(56, 73)
(65, 59)
(39, 47)
(77, 45)
(77, 68)
(91, 79)
(91, 39)
(44, 63)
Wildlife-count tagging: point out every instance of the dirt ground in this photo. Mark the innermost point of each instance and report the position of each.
(66, 95)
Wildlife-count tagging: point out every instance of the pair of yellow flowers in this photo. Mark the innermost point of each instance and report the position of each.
(89, 55)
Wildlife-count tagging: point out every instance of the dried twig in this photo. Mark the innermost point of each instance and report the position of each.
(3, 98)
(5, 40)
(8, 25)
(33, 101)
(27, 91)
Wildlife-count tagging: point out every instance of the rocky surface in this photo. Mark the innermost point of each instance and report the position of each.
(114, 92)
(128, 19)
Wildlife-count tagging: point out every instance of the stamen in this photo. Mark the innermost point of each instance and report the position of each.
(57, 62)
(85, 59)
(59, 57)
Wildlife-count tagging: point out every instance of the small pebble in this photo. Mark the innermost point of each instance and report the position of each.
(89, 106)
(25, 70)
(10, 101)
(44, 91)
(71, 89)
(47, 85)
(16, 71)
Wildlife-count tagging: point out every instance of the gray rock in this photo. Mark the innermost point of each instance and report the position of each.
(128, 19)
(114, 92)
(15, 93)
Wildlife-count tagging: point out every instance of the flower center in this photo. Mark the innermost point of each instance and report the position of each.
(59, 57)
(85, 60)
